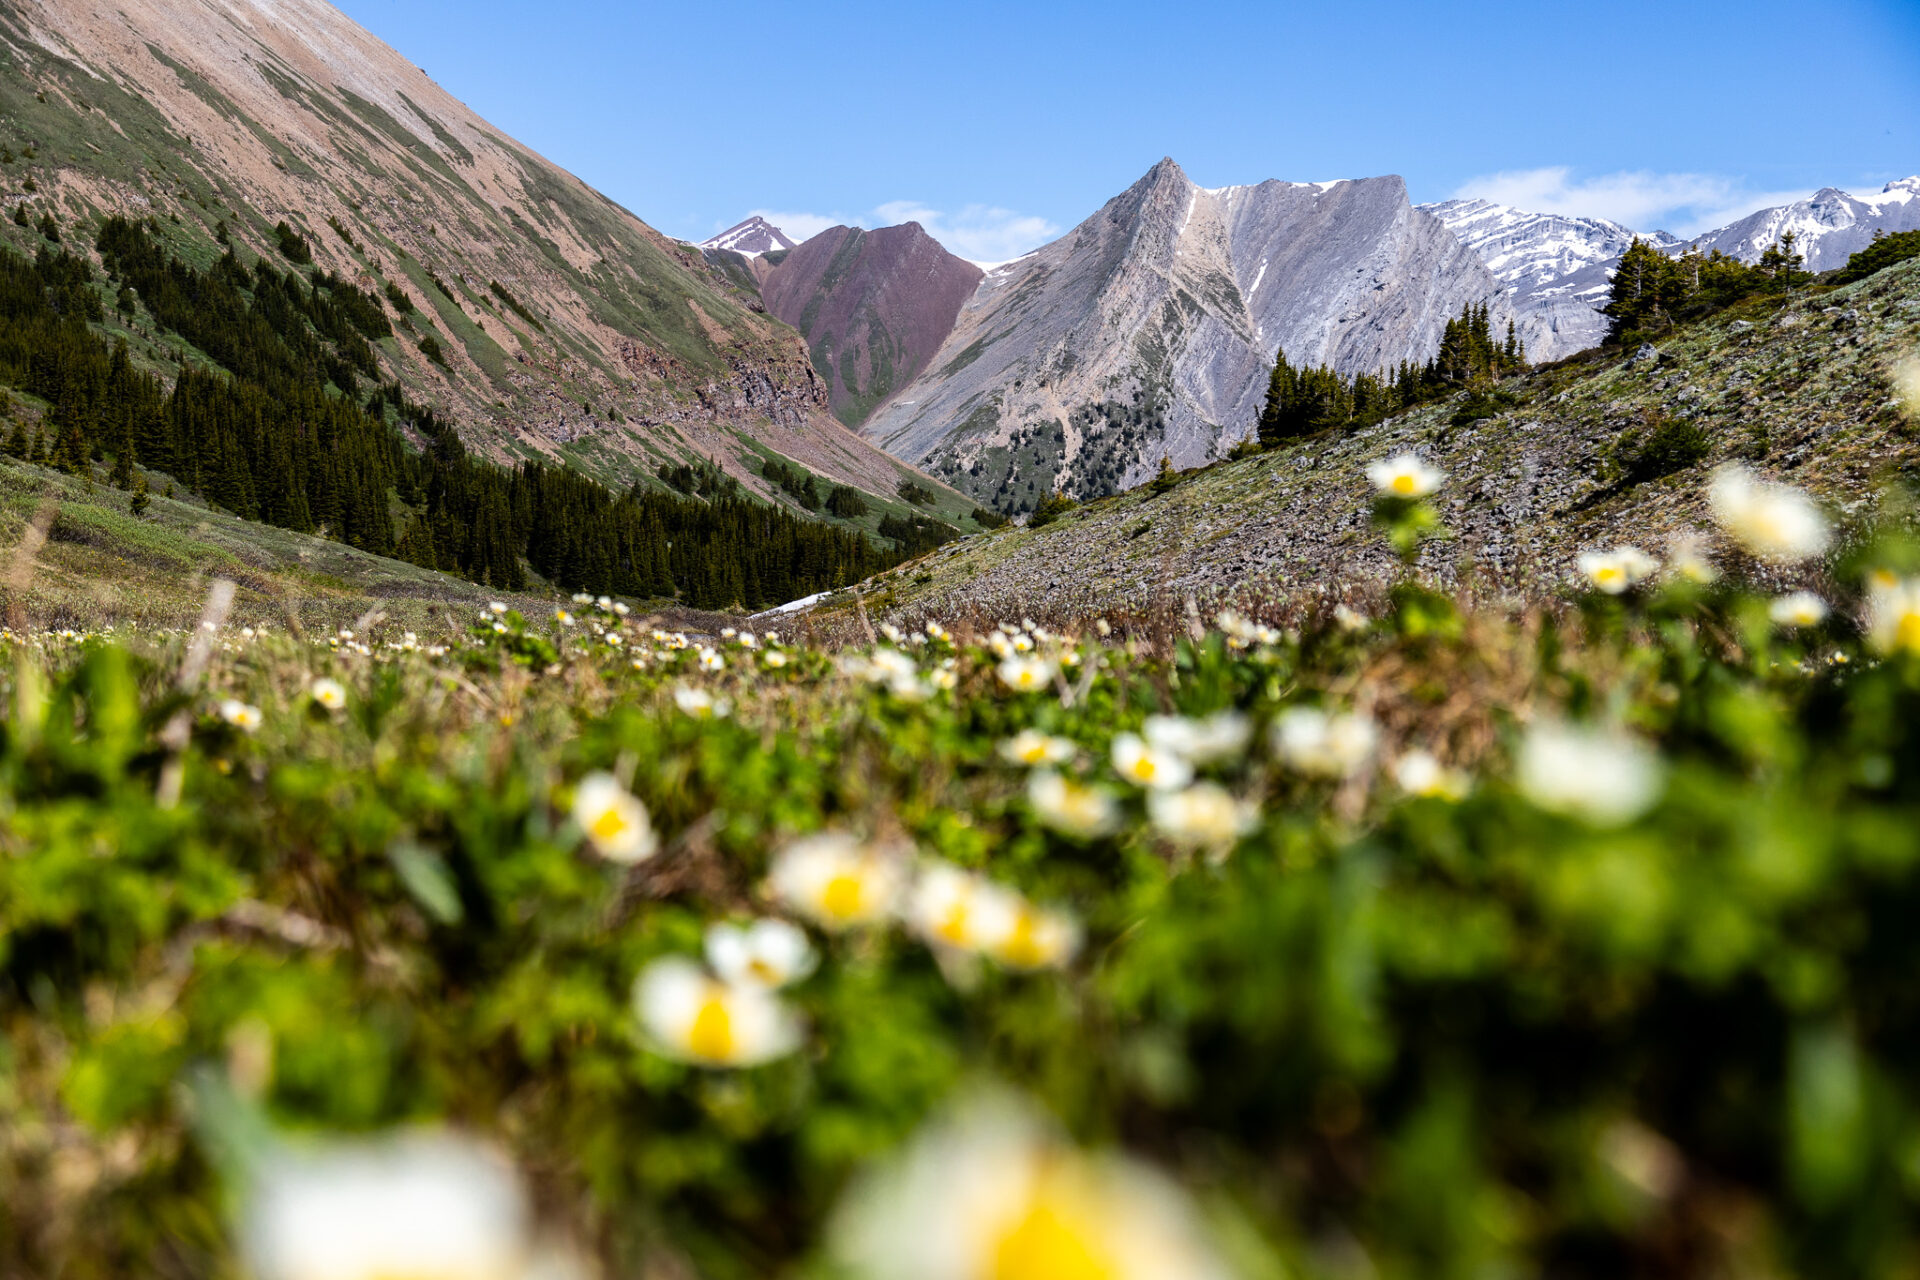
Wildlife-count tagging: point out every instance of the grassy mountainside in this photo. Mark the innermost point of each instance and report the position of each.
(1797, 389)
(567, 327)
(101, 565)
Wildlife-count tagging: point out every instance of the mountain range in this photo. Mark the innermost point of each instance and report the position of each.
(548, 322)
(1147, 331)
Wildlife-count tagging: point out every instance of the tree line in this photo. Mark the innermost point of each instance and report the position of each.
(1654, 291)
(1312, 398)
(279, 433)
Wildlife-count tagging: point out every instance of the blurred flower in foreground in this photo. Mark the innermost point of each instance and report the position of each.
(1420, 773)
(700, 704)
(992, 1195)
(1906, 386)
(836, 880)
(690, 1015)
(1204, 815)
(1773, 521)
(1030, 746)
(1025, 674)
(1070, 807)
(1349, 619)
(952, 908)
(1146, 766)
(1405, 476)
(1199, 742)
(1687, 558)
(1241, 632)
(1797, 609)
(240, 715)
(1039, 937)
(614, 820)
(330, 694)
(1893, 613)
(1604, 778)
(430, 1206)
(771, 953)
(1323, 745)
(1615, 571)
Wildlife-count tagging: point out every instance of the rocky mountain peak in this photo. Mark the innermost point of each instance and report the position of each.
(750, 239)
(1149, 329)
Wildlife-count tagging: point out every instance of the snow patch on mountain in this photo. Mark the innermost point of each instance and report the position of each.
(750, 239)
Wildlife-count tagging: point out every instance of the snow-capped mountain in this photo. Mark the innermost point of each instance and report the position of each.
(1828, 227)
(1555, 267)
(751, 238)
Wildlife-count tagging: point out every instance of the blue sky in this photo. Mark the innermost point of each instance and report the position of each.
(1000, 125)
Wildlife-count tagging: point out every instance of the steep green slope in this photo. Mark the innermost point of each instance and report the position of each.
(557, 318)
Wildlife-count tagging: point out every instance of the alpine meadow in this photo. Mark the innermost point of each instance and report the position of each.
(1271, 731)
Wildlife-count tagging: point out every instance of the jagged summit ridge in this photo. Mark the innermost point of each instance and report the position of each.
(1149, 329)
(1828, 227)
(750, 239)
(1555, 266)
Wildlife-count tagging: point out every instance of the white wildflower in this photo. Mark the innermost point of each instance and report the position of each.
(614, 820)
(689, 1015)
(1321, 744)
(1773, 521)
(1605, 778)
(1797, 609)
(1405, 476)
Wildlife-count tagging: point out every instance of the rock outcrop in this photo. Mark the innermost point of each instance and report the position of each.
(1149, 330)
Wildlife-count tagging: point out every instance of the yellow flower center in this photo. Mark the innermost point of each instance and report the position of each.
(1144, 769)
(1034, 753)
(842, 897)
(1046, 1245)
(1403, 484)
(1023, 947)
(1907, 634)
(953, 926)
(711, 1035)
(609, 826)
(762, 970)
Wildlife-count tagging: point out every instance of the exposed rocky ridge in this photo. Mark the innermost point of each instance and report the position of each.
(1803, 395)
(1557, 268)
(1150, 330)
(1828, 227)
(247, 112)
(873, 306)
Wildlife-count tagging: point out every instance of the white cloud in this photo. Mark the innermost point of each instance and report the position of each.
(977, 232)
(1683, 203)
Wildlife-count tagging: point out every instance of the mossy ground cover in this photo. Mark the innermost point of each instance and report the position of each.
(1465, 941)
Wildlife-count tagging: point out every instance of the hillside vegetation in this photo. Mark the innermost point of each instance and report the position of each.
(1463, 942)
(1567, 458)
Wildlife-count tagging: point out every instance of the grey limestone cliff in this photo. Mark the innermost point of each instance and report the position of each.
(1149, 330)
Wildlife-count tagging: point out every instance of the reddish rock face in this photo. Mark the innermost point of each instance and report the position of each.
(873, 305)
